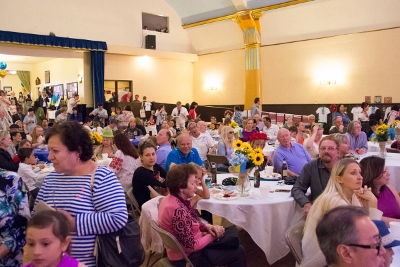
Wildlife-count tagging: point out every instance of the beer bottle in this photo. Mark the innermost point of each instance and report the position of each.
(284, 170)
(256, 177)
(213, 173)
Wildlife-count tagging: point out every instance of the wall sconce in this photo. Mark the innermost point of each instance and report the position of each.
(328, 82)
(79, 78)
(212, 88)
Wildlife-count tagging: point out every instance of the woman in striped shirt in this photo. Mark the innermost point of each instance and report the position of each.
(91, 209)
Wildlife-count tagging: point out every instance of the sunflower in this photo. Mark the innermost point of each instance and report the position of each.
(258, 150)
(233, 124)
(237, 144)
(258, 159)
(246, 146)
(251, 156)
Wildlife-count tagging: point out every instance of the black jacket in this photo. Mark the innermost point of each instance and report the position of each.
(6, 161)
(16, 117)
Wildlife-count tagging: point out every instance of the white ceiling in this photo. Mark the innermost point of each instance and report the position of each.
(23, 59)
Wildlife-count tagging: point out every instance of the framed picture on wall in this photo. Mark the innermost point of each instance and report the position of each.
(7, 90)
(72, 89)
(47, 76)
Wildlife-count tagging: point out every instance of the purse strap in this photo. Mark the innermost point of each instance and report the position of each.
(96, 245)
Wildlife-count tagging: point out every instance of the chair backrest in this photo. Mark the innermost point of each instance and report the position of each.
(170, 241)
(293, 237)
(217, 159)
(392, 150)
(133, 203)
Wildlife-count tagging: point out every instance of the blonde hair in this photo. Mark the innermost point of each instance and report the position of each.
(224, 136)
(333, 190)
(34, 134)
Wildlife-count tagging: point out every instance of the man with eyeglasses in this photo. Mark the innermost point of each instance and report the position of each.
(348, 237)
(315, 174)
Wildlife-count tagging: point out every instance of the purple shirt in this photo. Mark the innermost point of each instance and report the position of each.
(387, 204)
(162, 154)
(66, 261)
(246, 135)
(360, 141)
(296, 157)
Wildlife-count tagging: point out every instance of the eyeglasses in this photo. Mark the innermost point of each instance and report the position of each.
(327, 148)
(231, 132)
(377, 246)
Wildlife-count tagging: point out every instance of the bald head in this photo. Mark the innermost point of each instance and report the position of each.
(256, 117)
(284, 137)
(163, 137)
(184, 144)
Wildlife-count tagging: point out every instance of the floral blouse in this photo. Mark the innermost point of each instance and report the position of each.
(14, 211)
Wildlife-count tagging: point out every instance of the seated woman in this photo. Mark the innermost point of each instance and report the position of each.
(63, 116)
(311, 144)
(344, 146)
(106, 146)
(139, 125)
(258, 140)
(36, 137)
(225, 147)
(6, 162)
(376, 176)
(357, 138)
(177, 217)
(344, 188)
(126, 160)
(226, 122)
(248, 130)
(75, 116)
(289, 122)
(301, 135)
(149, 174)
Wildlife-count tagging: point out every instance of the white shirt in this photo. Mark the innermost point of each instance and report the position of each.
(356, 112)
(372, 110)
(124, 166)
(30, 178)
(314, 150)
(71, 104)
(87, 128)
(147, 106)
(322, 114)
(180, 116)
(99, 130)
(272, 132)
(202, 144)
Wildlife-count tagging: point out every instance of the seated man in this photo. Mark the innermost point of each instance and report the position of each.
(163, 140)
(337, 126)
(183, 153)
(295, 154)
(201, 142)
(316, 173)
(270, 129)
(132, 130)
(348, 237)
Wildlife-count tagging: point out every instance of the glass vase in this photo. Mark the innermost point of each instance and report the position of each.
(382, 149)
(243, 184)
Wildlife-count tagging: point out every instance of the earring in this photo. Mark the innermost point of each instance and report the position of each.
(63, 254)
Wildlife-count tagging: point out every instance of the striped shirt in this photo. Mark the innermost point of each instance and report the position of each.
(105, 213)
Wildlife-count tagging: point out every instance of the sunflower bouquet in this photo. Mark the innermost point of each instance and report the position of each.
(396, 126)
(246, 156)
(96, 138)
(382, 133)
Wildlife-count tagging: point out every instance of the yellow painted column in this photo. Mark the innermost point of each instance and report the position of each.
(249, 22)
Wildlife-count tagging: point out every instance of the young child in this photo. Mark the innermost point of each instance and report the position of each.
(97, 128)
(200, 193)
(47, 241)
(32, 179)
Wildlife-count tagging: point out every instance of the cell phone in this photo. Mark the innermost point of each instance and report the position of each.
(282, 190)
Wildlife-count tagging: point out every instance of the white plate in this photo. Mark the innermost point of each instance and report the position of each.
(220, 196)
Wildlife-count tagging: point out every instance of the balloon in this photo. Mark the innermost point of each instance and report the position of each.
(3, 73)
(22, 84)
(23, 89)
(3, 65)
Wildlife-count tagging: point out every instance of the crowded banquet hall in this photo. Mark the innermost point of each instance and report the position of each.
(219, 133)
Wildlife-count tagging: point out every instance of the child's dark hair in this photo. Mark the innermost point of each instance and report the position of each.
(51, 218)
(24, 153)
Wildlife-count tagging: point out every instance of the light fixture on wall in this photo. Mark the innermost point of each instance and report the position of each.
(213, 83)
(211, 88)
(79, 78)
(327, 82)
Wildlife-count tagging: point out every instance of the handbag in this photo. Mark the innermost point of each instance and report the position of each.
(121, 248)
(230, 240)
(142, 113)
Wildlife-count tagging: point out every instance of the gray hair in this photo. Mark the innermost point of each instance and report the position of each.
(351, 126)
(338, 226)
(341, 138)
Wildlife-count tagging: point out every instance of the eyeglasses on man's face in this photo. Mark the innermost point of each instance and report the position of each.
(374, 246)
(322, 148)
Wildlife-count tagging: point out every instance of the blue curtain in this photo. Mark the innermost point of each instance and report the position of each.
(54, 41)
(97, 71)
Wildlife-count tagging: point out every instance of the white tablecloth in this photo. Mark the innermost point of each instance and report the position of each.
(392, 162)
(152, 128)
(266, 220)
(396, 257)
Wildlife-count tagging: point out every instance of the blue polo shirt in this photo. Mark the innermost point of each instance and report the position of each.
(296, 158)
(176, 156)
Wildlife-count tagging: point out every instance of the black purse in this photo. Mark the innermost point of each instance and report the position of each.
(230, 240)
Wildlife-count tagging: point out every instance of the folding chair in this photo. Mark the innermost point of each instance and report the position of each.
(293, 237)
(133, 204)
(170, 242)
(217, 160)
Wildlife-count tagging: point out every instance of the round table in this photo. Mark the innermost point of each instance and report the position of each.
(266, 219)
(42, 155)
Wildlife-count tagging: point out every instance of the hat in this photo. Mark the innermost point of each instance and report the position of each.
(108, 134)
(14, 126)
(387, 239)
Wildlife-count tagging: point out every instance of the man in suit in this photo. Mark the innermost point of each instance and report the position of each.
(19, 116)
(43, 101)
(316, 173)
